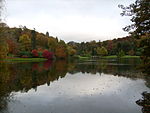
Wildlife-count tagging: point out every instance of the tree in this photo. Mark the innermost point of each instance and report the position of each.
(47, 34)
(3, 49)
(140, 12)
(33, 39)
(25, 42)
(71, 51)
(120, 54)
(102, 51)
(52, 43)
(13, 47)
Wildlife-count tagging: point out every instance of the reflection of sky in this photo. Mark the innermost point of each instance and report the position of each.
(82, 93)
(79, 20)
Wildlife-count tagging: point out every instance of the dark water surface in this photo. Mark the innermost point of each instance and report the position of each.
(105, 86)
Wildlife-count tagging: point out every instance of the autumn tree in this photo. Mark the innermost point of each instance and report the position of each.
(25, 43)
(13, 47)
(61, 50)
(52, 43)
(71, 51)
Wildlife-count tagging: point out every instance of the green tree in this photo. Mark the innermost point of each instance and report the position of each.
(102, 51)
(140, 13)
(47, 34)
(120, 54)
(33, 39)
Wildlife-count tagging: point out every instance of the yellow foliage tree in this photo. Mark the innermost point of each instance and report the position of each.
(25, 42)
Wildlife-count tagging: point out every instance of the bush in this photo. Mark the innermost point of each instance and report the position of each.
(120, 54)
(35, 53)
(48, 55)
(25, 53)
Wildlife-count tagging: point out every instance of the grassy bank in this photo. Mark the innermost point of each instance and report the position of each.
(114, 57)
(24, 59)
(108, 57)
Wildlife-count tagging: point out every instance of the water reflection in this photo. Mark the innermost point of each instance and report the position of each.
(90, 84)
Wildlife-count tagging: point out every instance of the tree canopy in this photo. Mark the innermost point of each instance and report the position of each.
(140, 13)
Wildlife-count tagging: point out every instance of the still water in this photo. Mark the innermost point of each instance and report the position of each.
(105, 86)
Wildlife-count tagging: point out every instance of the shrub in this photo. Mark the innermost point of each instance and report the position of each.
(48, 55)
(35, 53)
(25, 53)
(120, 54)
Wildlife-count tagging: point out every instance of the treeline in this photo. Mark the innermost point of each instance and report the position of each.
(23, 42)
(128, 45)
(26, 43)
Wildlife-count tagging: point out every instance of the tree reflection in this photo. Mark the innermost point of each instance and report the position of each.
(145, 102)
(22, 77)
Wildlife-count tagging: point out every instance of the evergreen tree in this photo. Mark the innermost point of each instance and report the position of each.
(47, 34)
(33, 39)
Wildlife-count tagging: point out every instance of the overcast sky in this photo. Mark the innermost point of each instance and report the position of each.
(70, 20)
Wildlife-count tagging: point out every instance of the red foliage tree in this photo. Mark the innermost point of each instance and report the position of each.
(13, 47)
(35, 53)
(48, 55)
(47, 64)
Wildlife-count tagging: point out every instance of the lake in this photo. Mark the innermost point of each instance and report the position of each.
(92, 86)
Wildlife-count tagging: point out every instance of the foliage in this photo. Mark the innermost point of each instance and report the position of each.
(13, 47)
(102, 51)
(35, 53)
(48, 55)
(61, 52)
(33, 39)
(21, 40)
(25, 54)
(120, 54)
(25, 42)
(52, 43)
(131, 52)
(3, 50)
(140, 12)
(71, 51)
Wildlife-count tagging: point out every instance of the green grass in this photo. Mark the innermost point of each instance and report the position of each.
(107, 57)
(114, 56)
(127, 56)
(81, 57)
(25, 59)
(110, 57)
